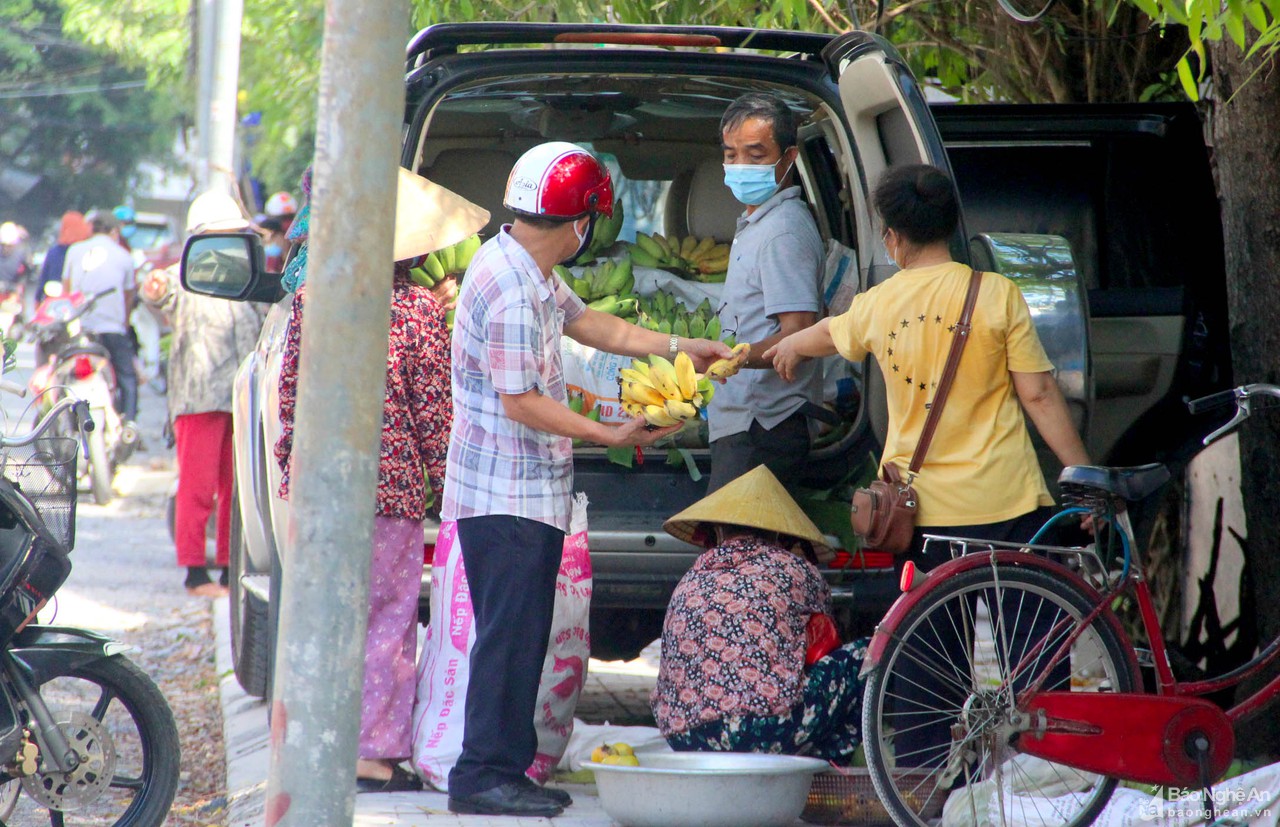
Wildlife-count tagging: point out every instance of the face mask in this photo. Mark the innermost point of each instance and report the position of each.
(884, 240)
(272, 250)
(127, 230)
(752, 184)
(584, 240)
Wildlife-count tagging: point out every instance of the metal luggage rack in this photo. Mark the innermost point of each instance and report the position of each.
(1084, 560)
(45, 473)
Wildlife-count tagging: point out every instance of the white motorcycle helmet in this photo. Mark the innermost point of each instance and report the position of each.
(215, 211)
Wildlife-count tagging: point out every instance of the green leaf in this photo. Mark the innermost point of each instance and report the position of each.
(1187, 80)
(624, 456)
(1256, 15)
(1176, 10)
(1148, 7)
(1235, 28)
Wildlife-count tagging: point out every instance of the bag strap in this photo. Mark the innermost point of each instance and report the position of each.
(948, 373)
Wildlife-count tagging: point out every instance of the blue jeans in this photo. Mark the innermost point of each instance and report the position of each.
(120, 346)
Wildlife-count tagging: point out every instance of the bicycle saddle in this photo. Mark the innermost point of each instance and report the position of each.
(1134, 483)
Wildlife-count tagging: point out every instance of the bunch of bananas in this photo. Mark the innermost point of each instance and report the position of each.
(450, 261)
(664, 393)
(697, 259)
(665, 313)
(607, 288)
(603, 235)
(668, 393)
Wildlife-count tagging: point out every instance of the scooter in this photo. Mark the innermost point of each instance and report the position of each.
(72, 362)
(84, 732)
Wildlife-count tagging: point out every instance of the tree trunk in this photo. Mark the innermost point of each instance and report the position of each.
(1245, 129)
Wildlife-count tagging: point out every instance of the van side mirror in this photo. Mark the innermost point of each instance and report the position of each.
(229, 266)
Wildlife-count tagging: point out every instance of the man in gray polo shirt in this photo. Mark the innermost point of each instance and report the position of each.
(772, 290)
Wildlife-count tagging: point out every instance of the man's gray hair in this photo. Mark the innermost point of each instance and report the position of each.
(766, 107)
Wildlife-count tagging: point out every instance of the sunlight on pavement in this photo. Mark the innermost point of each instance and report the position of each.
(72, 609)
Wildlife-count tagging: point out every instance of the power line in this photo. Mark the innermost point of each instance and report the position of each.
(75, 90)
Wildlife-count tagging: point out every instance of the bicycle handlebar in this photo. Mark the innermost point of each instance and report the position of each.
(84, 421)
(1242, 398)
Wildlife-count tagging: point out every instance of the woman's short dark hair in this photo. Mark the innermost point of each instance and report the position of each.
(918, 201)
(766, 107)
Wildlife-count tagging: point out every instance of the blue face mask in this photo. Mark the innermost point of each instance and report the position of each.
(752, 184)
(272, 250)
(127, 230)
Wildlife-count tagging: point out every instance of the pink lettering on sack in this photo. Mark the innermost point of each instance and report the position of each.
(444, 543)
(572, 683)
(575, 561)
(460, 612)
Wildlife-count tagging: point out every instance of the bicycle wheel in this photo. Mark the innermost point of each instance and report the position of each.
(939, 710)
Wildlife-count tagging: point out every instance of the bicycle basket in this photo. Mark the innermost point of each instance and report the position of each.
(45, 473)
(847, 797)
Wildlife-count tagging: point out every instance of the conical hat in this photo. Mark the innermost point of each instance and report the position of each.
(430, 217)
(756, 500)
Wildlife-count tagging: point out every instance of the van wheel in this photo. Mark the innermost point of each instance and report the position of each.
(621, 634)
(250, 629)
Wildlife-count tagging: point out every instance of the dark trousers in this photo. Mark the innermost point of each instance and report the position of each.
(511, 565)
(120, 346)
(784, 448)
(919, 692)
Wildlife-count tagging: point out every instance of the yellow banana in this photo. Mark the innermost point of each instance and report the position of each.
(632, 408)
(681, 410)
(640, 367)
(687, 245)
(641, 393)
(657, 415)
(704, 246)
(662, 375)
(724, 368)
(632, 375)
(665, 244)
(686, 376)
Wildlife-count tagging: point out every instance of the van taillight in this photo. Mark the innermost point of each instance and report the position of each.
(83, 368)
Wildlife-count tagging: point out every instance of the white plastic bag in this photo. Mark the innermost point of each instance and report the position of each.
(444, 666)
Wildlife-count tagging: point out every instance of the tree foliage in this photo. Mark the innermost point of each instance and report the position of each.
(75, 116)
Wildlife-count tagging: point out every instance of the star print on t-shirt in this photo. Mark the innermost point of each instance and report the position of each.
(903, 327)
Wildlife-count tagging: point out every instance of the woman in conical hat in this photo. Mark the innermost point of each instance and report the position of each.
(751, 661)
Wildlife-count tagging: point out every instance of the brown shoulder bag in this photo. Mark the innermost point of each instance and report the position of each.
(884, 514)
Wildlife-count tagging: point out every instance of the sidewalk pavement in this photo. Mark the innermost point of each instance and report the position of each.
(248, 754)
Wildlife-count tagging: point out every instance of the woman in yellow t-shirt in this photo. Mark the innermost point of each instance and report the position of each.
(980, 477)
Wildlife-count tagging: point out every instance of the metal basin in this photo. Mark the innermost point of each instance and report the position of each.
(707, 789)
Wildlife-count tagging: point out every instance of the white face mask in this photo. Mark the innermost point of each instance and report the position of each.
(884, 240)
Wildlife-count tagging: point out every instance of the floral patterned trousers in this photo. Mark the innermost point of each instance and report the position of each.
(825, 724)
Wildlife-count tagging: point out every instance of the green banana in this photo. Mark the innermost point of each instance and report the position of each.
(422, 277)
(697, 327)
(433, 266)
(576, 403)
(650, 246)
(713, 328)
(641, 258)
(681, 328)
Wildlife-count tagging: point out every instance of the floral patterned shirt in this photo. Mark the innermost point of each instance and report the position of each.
(733, 641)
(418, 410)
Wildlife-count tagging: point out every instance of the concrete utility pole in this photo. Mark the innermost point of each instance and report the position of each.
(220, 171)
(206, 41)
(341, 384)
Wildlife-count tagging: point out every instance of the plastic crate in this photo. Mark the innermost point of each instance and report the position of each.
(847, 797)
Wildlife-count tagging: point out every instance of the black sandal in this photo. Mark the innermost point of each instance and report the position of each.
(401, 781)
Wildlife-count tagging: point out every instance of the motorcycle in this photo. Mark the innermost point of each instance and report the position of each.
(70, 361)
(84, 732)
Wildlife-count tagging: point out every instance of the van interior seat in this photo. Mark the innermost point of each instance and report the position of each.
(699, 203)
(478, 175)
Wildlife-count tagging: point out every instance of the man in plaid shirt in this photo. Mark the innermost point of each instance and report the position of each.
(509, 475)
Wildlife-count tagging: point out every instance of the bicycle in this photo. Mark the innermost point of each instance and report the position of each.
(1006, 674)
